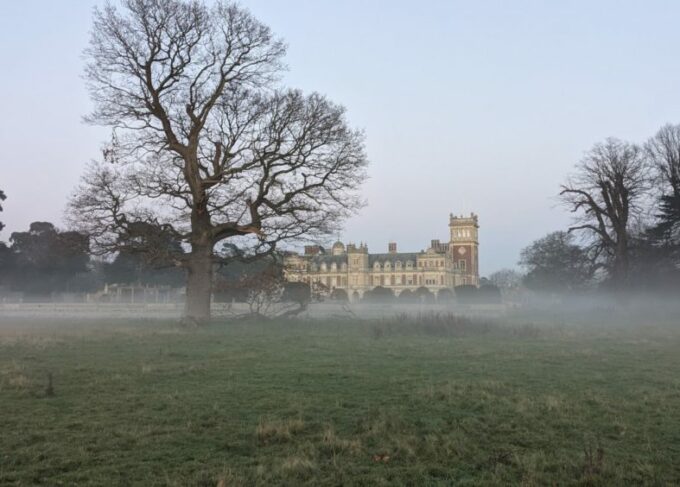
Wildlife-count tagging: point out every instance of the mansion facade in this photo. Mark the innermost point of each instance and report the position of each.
(444, 265)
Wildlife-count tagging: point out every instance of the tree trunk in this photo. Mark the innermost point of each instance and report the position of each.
(199, 284)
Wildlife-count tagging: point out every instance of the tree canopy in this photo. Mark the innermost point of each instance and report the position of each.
(606, 193)
(206, 145)
(663, 151)
(44, 260)
(555, 263)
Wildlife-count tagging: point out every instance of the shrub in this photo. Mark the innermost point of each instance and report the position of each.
(424, 295)
(379, 295)
(296, 292)
(466, 294)
(445, 296)
(489, 294)
(407, 296)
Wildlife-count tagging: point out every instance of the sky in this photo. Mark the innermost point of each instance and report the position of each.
(478, 106)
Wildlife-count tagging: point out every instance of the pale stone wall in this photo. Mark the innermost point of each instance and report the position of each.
(352, 268)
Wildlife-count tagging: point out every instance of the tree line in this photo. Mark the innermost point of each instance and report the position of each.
(625, 236)
(45, 260)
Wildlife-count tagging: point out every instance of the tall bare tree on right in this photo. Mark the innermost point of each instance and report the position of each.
(663, 152)
(606, 193)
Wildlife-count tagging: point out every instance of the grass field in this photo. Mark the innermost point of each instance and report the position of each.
(339, 403)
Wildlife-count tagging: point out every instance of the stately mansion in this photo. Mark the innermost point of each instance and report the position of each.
(354, 269)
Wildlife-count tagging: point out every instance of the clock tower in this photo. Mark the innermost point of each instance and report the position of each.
(464, 247)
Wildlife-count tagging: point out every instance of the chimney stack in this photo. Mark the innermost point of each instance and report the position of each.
(392, 246)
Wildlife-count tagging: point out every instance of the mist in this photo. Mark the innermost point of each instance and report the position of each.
(268, 243)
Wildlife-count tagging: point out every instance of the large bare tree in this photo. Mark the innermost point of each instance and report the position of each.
(206, 147)
(606, 193)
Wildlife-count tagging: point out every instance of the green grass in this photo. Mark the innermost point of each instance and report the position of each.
(338, 403)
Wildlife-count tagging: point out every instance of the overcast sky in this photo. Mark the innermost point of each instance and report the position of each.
(467, 106)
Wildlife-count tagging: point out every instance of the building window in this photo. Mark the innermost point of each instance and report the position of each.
(461, 264)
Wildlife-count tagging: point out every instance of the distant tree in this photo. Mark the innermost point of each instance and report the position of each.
(148, 255)
(654, 264)
(6, 264)
(204, 144)
(6, 257)
(606, 193)
(2, 198)
(297, 292)
(131, 268)
(445, 296)
(506, 279)
(47, 260)
(556, 264)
